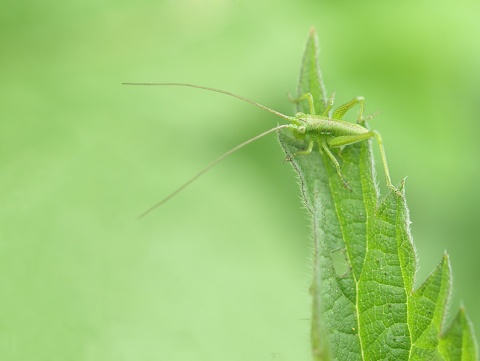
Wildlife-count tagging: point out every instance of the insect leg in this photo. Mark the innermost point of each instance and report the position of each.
(342, 140)
(378, 137)
(306, 151)
(350, 139)
(323, 144)
(329, 106)
(344, 108)
(309, 98)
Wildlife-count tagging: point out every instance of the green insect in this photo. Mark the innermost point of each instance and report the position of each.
(328, 129)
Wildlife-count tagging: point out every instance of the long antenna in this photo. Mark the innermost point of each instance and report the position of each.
(218, 160)
(286, 117)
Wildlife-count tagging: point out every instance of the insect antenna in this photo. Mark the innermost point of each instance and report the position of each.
(208, 167)
(286, 117)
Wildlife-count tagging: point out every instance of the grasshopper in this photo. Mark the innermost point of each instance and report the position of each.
(328, 129)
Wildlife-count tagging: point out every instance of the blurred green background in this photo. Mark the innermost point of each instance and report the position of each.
(221, 272)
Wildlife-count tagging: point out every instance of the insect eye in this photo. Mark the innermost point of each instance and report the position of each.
(301, 129)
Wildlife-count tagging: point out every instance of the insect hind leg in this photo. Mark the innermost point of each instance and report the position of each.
(378, 138)
(340, 112)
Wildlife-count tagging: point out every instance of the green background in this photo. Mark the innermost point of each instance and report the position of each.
(220, 272)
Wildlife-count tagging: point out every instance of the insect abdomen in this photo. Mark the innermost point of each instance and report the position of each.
(323, 125)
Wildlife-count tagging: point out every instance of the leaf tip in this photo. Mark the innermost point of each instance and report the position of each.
(445, 258)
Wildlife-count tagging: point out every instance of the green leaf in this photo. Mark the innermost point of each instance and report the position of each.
(364, 306)
(458, 342)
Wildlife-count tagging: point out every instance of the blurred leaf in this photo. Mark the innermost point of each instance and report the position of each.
(364, 306)
(458, 342)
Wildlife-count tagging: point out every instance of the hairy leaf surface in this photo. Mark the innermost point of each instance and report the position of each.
(364, 305)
